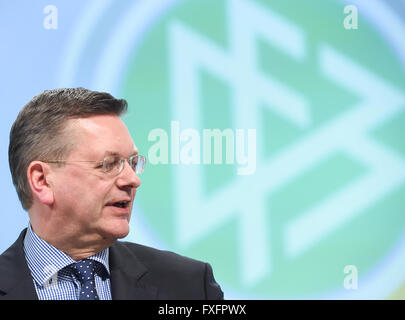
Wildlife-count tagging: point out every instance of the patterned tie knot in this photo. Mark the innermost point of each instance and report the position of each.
(85, 271)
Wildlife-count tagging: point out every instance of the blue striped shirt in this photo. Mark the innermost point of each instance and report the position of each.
(52, 280)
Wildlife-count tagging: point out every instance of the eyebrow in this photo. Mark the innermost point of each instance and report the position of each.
(113, 153)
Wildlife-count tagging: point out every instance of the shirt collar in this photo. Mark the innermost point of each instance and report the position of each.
(44, 260)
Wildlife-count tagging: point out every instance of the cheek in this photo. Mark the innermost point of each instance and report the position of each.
(84, 190)
(67, 192)
(95, 195)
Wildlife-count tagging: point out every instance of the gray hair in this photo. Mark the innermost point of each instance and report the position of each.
(40, 130)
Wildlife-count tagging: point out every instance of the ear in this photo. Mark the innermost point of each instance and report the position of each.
(38, 175)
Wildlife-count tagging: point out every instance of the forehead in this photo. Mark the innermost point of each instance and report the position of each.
(96, 135)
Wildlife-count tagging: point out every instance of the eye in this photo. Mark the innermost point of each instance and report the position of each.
(133, 161)
(110, 163)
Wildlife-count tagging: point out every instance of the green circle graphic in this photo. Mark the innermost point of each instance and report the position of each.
(365, 239)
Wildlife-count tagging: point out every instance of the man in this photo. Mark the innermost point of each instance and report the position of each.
(75, 169)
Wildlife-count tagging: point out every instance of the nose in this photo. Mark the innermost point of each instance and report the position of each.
(127, 178)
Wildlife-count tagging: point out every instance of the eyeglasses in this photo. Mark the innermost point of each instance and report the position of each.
(113, 164)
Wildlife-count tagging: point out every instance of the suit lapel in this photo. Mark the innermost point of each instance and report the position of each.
(126, 273)
(15, 278)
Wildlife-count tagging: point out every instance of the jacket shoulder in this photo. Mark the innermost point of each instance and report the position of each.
(178, 276)
(162, 260)
(15, 278)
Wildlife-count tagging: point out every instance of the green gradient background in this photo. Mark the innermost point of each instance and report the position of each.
(363, 242)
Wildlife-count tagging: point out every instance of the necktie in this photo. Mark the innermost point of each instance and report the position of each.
(84, 271)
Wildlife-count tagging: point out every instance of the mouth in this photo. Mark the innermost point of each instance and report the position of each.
(119, 204)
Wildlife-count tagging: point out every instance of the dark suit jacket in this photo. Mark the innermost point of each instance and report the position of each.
(137, 272)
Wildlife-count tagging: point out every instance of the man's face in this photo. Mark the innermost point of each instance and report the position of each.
(84, 194)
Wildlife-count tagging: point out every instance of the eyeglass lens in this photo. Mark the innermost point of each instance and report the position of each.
(137, 163)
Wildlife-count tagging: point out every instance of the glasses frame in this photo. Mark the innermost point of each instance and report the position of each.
(103, 163)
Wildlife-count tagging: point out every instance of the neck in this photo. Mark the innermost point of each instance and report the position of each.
(76, 243)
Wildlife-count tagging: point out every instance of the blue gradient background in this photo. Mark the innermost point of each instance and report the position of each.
(32, 59)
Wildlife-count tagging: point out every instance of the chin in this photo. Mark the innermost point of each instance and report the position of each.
(117, 230)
